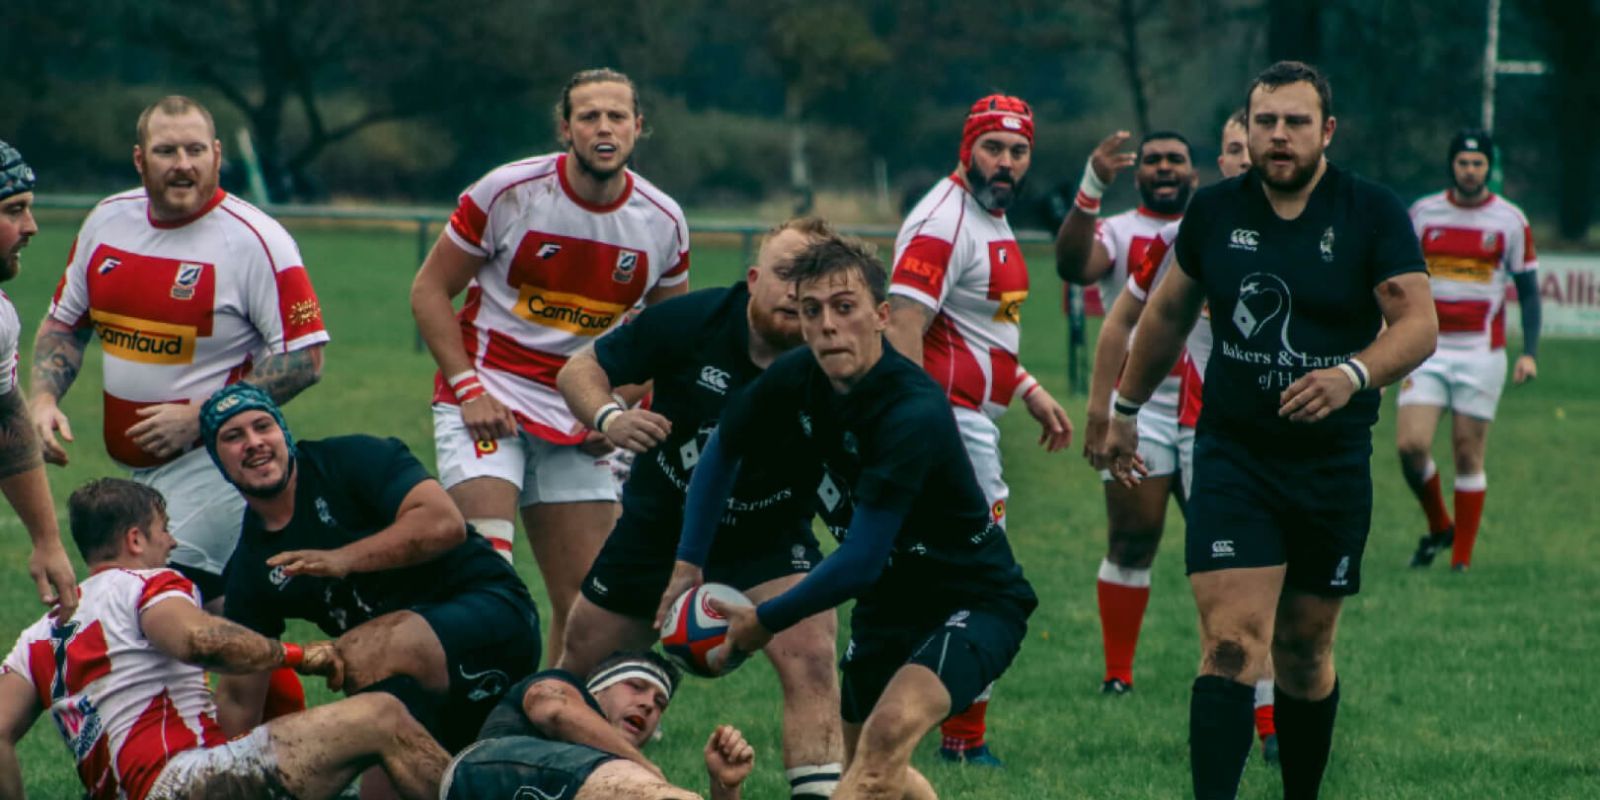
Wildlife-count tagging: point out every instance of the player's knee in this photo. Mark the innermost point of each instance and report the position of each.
(1414, 452)
(1227, 657)
(1134, 548)
(1469, 459)
(888, 730)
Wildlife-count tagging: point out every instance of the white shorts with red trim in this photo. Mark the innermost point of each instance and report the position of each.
(981, 437)
(542, 471)
(204, 511)
(244, 767)
(1467, 382)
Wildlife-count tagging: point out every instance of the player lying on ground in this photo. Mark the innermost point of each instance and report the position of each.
(555, 735)
(352, 534)
(125, 683)
(945, 616)
(697, 351)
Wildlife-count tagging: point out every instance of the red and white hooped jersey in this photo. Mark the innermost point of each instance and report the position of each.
(123, 707)
(559, 272)
(182, 308)
(1153, 258)
(1471, 253)
(1125, 236)
(10, 337)
(958, 259)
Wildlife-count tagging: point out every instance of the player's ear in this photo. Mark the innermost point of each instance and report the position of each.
(1327, 130)
(138, 159)
(883, 316)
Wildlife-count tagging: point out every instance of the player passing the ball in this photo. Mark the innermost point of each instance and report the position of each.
(941, 604)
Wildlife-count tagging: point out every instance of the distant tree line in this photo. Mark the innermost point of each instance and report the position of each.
(747, 100)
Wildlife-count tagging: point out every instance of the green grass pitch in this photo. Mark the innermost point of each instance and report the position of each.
(1475, 686)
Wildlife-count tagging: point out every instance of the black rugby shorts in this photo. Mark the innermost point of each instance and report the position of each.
(509, 766)
(968, 650)
(1310, 512)
(491, 640)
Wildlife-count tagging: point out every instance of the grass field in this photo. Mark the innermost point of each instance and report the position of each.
(1455, 686)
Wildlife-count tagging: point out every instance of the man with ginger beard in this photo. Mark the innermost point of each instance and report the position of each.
(1089, 250)
(1321, 297)
(190, 289)
(699, 350)
(955, 306)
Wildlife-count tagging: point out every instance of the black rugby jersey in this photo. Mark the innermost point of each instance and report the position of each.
(697, 350)
(347, 488)
(891, 443)
(1291, 296)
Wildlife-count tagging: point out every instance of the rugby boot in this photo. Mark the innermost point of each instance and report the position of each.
(1269, 749)
(1115, 686)
(974, 756)
(1430, 545)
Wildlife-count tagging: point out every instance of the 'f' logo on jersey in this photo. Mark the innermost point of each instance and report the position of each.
(548, 250)
(110, 263)
(627, 260)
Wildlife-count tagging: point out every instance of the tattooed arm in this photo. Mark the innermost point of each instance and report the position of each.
(23, 483)
(57, 356)
(179, 628)
(285, 375)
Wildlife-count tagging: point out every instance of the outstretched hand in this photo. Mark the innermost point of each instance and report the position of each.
(729, 758)
(317, 563)
(322, 658)
(1106, 161)
(1055, 426)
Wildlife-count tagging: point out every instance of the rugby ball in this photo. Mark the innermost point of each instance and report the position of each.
(693, 628)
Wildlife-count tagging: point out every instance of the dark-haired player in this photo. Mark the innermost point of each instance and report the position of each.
(1089, 249)
(697, 351)
(552, 251)
(955, 306)
(941, 605)
(22, 476)
(1302, 264)
(1474, 241)
(352, 534)
(558, 735)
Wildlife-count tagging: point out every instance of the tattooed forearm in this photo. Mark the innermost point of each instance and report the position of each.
(223, 646)
(287, 374)
(19, 448)
(57, 357)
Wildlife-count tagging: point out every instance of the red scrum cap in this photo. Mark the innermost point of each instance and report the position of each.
(997, 112)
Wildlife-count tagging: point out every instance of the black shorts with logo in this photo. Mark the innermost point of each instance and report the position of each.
(633, 567)
(1311, 512)
(491, 640)
(520, 766)
(968, 650)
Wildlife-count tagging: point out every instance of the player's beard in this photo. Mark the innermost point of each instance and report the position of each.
(1301, 175)
(994, 194)
(1175, 205)
(1462, 190)
(598, 174)
(10, 265)
(268, 492)
(777, 336)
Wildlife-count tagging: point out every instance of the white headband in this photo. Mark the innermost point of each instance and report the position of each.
(627, 670)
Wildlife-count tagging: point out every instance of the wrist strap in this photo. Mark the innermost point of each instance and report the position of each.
(1356, 372)
(1361, 369)
(466, 387)
(293, 655)
(1090, 189)
(1125, 409)
(605, 414)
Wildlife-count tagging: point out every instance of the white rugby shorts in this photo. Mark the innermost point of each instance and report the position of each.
(1467, 382)
(542, 471)
(244, 767)
(204, 511)
(1186, 457)
(981, 437)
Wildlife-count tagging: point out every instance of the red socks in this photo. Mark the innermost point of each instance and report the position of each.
(285, 695)
(1432, 498)
(965, 731)
(1124, 593)
(1264, 726)
(1470, 490)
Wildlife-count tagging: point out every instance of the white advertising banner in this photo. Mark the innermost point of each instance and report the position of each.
(1569, 289)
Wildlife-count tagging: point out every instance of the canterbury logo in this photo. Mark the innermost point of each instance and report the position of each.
(572, 313)
(1244, 239)
(145, 341)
